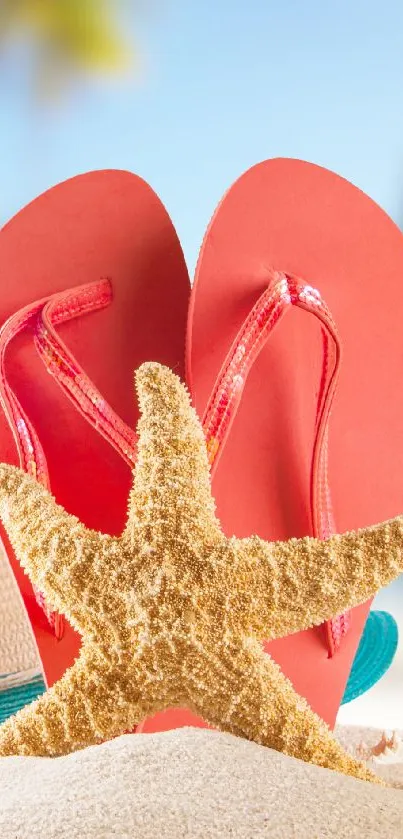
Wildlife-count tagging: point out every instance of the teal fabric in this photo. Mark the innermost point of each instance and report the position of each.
(374, 656)
(12, 700)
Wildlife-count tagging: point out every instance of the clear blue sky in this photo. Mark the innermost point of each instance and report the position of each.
(228, 84)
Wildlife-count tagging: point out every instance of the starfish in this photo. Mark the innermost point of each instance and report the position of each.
(172, 613)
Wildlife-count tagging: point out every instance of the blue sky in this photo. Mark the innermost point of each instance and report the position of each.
(226, 84)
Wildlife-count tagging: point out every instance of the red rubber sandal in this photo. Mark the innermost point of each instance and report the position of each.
(101, 223)
(285, 230)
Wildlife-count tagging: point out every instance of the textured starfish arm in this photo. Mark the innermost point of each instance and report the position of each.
(90, 704)
(58, 553)
(171, 492)
(252, 698)
(294, 585)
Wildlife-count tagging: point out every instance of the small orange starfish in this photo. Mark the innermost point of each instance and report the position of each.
(172, 612)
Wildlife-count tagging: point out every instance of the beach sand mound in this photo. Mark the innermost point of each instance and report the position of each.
(190, 783)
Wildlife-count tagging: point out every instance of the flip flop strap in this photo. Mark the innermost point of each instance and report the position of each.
(283, 292)
(43, 316)
(30, 452)
(67, 372)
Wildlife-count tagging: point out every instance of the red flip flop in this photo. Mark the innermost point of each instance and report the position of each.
(287, 237)
(92, 267)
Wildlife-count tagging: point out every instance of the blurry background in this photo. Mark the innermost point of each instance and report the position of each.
(188, 95)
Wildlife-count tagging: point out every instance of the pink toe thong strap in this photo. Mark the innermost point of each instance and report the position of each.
(283, 292)
(43, 316)
(68, 374)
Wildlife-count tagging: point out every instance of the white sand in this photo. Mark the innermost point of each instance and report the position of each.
(189, 783)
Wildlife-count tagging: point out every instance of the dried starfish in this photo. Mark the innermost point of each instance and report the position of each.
(172, 612)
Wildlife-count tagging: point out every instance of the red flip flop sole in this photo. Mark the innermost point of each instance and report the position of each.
(102, 224)
(305, 221)
(301, 219)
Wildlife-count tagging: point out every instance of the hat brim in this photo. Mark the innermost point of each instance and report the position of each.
(374, 656)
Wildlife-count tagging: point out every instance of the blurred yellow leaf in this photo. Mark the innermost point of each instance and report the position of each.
(77, 34)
